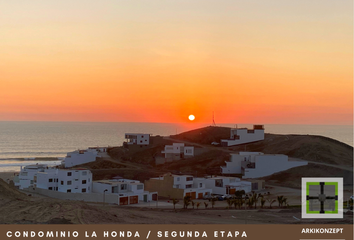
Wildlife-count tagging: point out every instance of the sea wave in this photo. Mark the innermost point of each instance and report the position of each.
(31, 153)
(33, 159)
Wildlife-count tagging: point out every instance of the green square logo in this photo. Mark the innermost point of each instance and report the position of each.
(322, 198)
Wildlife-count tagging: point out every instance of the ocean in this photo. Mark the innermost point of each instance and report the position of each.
(25, 143)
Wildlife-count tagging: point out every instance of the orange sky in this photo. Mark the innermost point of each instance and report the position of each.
(156, 61)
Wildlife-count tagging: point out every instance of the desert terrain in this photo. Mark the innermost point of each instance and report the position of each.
(327, 158)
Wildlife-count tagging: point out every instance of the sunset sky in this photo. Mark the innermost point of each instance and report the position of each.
(274, 61)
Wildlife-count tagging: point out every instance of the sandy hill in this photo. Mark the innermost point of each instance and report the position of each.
(335, 158)
(308, 147)
(8, 192)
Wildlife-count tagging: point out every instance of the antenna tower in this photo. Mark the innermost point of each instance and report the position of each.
(214, 124)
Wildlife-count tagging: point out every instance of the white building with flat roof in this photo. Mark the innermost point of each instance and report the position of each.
(137, 138)
(178, 151)
(243, 135)
(226, 185)
(257, 164)
(79, 157)
(65, 180)
(27, 174)
(129, 191)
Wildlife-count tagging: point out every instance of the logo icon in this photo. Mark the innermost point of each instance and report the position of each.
(322, 198)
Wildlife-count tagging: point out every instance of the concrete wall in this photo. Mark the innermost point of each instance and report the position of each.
(87, 197)
(164, 187)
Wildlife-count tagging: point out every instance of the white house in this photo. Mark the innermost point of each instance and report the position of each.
(243, 135)
(226, 185)
(129, 191)
(26, 176)
(64, 180)
(61, 180)
(257, 164)
(80, 157)
(177, 151)
(137, 139)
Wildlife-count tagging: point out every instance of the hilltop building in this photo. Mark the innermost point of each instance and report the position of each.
(243, 135)
(257, 164)
(137, 139)
(79, 157)
(174, 152)
(178, 151)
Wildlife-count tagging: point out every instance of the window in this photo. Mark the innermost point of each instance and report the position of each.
(88, 180)
(24, 173)
(61, 182)
(69, 190)
(200, 185)
(76, 179)
(84, 173)
(31, 181)
(178, 179)
(56, 188)
(69, 174)
(69, 182)
(50, 180)
(88, 188)
(219, 183)
(189, 178)
(83, 181)
(123, 187)
(139, 187)
(83, 190)
(189, 186)
(50, 188)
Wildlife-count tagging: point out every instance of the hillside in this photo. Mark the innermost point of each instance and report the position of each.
(307, 147)
(139, 163)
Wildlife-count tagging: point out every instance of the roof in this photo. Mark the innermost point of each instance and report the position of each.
(118, 181)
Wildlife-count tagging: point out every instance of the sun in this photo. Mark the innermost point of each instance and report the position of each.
(191, 117)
